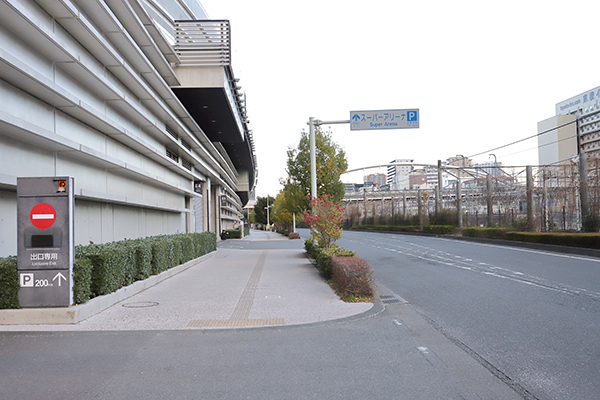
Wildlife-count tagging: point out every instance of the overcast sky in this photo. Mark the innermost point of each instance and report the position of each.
(481, 73)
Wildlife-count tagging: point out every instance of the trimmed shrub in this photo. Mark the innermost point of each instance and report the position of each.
(488, 233)
(175, 250)
(352, 276)
(435, 229)
(82, 280)
(207, 242)
(585, 240)
(187, 248)
(142, 253)
(311, 248)
(9, 283)
(324, 256)
(104, 268)
(439, 229)
(160, 254)
(234, 233)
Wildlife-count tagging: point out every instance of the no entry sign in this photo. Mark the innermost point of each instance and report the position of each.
(42, 216)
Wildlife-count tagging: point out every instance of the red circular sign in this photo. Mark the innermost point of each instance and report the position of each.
(42, 216)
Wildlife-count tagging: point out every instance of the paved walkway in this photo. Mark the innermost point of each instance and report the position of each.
(264, 279)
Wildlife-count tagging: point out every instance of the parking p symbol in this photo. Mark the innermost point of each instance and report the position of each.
(26, 280)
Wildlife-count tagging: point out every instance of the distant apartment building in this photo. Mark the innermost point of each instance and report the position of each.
(462, 162)
(377, 180)
(492, 168)
(397, 175)
(417, 179)
(432, 176)
(574, 129)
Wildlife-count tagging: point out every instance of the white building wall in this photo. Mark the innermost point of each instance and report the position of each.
(8, 221)
(557, 144)
(121, 190)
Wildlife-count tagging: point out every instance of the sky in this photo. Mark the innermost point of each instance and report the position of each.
(481, 73)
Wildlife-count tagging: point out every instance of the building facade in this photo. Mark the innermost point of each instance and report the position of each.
(575, 129)
(377, 180)
(135, 99)
(493, 168)
(397, 175)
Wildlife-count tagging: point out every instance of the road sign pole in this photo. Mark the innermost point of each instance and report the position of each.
(313, 156)
(361, 120)
(313, 159)
(45, 250)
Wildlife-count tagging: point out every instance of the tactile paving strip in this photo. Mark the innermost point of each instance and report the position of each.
(239, 317)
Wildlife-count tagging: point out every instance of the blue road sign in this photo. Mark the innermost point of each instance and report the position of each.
(384, 119)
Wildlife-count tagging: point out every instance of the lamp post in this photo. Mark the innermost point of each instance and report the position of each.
(267, 208)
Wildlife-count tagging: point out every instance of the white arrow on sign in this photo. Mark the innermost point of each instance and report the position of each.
(59, 276)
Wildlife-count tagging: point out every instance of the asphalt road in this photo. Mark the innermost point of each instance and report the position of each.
(394, 355)
(387, 352)
(534, 316)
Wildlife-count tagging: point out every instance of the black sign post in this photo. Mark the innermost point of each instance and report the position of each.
(45, 241)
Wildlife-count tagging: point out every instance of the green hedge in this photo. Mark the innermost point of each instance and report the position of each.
(104, 268)
(234, 233)
(585, 240)
(435, 229)
(82, 280)
(488, 233)
(9, 283)
(439, 229)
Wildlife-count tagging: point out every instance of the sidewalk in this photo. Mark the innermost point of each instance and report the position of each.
(263, 279)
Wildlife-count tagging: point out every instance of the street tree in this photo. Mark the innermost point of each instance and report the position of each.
(281, 210)
(260, 209)
(331, 164)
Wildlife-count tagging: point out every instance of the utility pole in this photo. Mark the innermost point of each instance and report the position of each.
(490, 211)
(459, 202)
(529, 191)
(438, 194)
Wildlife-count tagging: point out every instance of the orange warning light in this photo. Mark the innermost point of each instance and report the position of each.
(62, 186)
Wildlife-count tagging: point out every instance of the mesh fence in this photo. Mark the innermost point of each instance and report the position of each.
(493, 199)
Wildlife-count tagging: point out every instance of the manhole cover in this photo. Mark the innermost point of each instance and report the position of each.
(141, 304)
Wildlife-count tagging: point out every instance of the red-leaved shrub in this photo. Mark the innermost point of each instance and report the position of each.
(352, 276)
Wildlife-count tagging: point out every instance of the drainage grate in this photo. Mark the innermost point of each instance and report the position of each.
(140, 304)
(392, 299)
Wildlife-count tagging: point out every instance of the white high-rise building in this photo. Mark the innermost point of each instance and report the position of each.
(397, 175)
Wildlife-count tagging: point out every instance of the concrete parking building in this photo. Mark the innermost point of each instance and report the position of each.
(135, 99)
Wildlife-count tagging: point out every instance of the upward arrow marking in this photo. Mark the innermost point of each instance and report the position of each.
(59, 276)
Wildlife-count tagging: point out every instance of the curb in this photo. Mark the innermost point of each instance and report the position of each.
(75, 314)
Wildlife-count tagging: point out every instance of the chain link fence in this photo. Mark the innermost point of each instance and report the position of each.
(536, 198)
